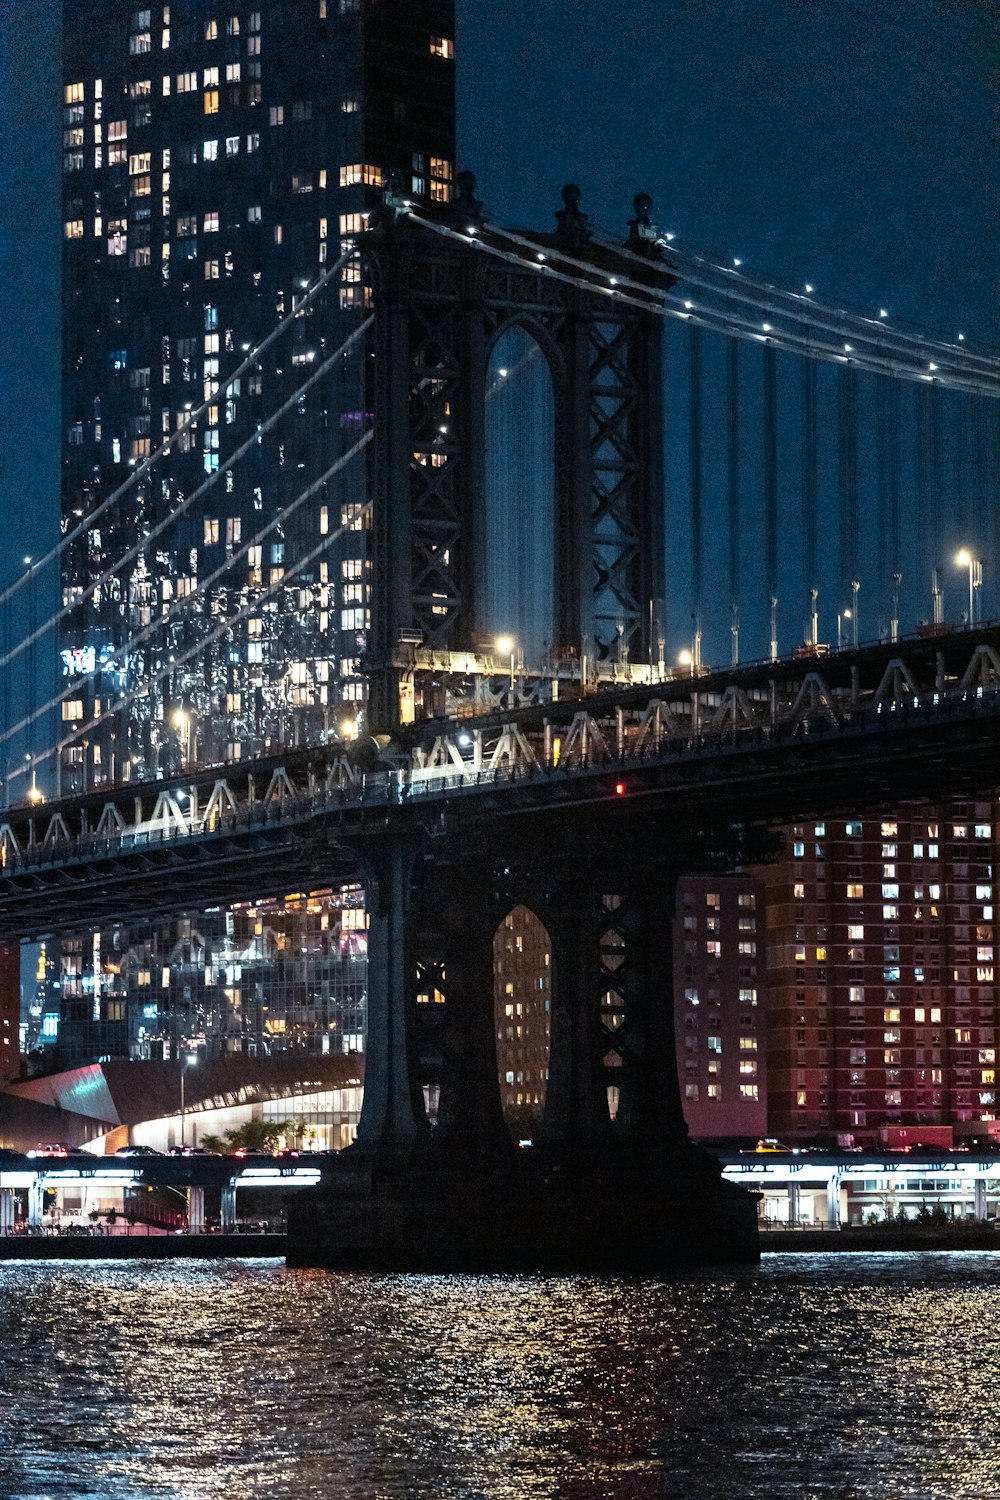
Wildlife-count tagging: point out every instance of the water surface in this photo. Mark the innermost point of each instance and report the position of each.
(812, 1376)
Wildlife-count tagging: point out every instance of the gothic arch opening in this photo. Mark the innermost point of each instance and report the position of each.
(516, 566)
(522, 1004)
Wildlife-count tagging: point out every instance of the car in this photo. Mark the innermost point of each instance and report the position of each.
(137, 1151)
(246, 1151)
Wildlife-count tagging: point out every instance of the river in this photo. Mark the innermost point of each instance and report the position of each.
(810, 1376)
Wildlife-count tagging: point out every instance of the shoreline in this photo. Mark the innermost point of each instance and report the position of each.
(142, 1247)
(272, 1246)
(875, 1240)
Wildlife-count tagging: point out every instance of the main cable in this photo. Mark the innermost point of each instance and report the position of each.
(201, 490)
(192, 418)
(653, 300)
(130, 697)
(181, 608)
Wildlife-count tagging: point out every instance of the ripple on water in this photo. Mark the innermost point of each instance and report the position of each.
(814, 1377)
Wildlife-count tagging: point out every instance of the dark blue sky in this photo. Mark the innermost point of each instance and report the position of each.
(851, 143)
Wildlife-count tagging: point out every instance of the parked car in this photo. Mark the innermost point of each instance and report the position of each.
(137, 1151)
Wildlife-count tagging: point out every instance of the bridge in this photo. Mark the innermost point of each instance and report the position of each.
(703, 753)
(580, 784)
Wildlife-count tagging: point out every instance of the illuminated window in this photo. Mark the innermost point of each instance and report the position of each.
(73, 93)
(855, 891)
(442, 46)
(211, 101)
(73, 229)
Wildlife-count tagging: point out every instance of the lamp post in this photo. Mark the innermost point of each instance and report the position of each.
(855, 615)
(184, 724)
(965, 559)
(186, 1062)
(505, 645)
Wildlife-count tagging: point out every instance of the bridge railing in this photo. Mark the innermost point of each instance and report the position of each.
(579, 746)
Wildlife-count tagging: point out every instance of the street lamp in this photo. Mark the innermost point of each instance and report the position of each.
(505, 647)
(965, 559)
(186, 1062)
(184, 724)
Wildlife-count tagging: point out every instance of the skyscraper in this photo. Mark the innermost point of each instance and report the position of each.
(218, 160)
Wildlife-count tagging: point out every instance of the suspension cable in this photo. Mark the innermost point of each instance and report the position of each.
(197, 494)
(134, 694)
(190, 420)
(621, 289)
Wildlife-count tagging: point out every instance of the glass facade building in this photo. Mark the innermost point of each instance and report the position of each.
(219, 160)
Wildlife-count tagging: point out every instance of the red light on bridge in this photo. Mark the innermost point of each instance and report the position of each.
(619, 788)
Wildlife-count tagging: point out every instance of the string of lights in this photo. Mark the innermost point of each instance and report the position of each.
(733, 283)
(865, 356)
(764, 298)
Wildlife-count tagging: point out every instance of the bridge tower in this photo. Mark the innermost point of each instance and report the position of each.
(614, 1182)
(444, 297)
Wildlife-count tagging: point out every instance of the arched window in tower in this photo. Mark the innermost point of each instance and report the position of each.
(516, 563)
(522, 993)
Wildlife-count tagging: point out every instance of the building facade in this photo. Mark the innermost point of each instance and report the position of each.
(522, 968)
(219, 159)
(882, 1001)
(719, 1014)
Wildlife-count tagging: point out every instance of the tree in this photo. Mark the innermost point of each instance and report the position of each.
(256, 1135)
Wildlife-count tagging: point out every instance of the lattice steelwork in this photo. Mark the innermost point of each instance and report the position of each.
(441, 306)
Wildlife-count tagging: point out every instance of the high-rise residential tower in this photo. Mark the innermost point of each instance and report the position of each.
(219, 157)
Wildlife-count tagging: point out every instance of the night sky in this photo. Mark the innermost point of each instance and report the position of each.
(850, 143)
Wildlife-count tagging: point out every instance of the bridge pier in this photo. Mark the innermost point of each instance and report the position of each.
(8, 1210)
(196, 1210)
(227, 1216)
(36, 1202)
(613, 1184)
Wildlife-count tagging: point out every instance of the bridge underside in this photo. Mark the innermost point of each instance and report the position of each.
(612, 1183)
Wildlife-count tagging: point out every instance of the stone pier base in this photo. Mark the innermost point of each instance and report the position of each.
(612, 1212)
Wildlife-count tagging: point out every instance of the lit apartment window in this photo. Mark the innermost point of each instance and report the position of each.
(442, 46)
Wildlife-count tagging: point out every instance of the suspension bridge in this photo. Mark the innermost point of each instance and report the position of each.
(476, 442)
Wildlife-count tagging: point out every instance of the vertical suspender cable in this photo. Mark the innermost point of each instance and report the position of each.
(887, 481)
(847, 474)
(935, 494)
(809, 481)
(771, 466)
(922, 475)
(977, 407)
(733, 465)
(694, 448)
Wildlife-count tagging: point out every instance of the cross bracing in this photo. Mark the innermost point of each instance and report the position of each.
(688, 755)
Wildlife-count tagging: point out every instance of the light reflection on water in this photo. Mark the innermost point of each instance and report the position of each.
(811, 1377)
